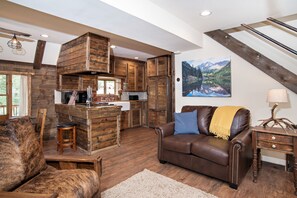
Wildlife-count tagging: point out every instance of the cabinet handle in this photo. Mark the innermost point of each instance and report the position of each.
(273, 137)
(273, 146)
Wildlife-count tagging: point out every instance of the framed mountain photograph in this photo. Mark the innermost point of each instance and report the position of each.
(207, 78)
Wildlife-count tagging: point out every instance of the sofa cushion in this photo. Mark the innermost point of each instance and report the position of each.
(180, 143)
(212, 149)
(204, 115)
(74, 183)
(28, 145)
(11, 166)
(186, 123)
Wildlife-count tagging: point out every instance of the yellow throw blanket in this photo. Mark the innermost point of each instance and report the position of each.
(221, 121)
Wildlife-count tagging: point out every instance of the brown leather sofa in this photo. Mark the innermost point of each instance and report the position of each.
(24, 169)
(227, 160)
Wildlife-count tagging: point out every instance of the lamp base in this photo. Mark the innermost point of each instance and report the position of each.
(278, 122)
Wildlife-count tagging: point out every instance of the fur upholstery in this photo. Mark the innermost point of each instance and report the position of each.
(23, 167)
(11, 166)
(73, 183)
(30, 150)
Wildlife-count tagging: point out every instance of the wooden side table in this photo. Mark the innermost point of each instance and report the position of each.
(274, 139)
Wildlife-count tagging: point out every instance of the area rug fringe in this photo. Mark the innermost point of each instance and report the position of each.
(148, 184)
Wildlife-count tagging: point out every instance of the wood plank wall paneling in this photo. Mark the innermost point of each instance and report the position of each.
(271, 68)
(43, 84)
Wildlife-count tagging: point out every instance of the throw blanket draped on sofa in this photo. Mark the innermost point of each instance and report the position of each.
(222, 120)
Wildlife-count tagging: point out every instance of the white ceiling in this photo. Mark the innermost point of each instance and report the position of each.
(142, 28)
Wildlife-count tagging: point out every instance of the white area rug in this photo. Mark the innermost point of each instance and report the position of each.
(148, 184)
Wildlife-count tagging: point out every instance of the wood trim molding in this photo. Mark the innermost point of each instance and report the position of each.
(271, 68)
(39, 54)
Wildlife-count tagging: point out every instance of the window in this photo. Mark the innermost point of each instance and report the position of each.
(106, 86)
(14, 96)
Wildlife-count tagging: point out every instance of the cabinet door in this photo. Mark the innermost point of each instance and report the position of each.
(151, 67)
(120, 67)
(135, 117)
(152, 93)
(135, 113)
(125, 120)
(162, 93)
(131, 78)
(140, 77)
(162, 65)
(156, 118)
(144, 114)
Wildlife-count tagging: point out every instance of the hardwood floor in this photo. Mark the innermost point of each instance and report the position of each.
(138, 151)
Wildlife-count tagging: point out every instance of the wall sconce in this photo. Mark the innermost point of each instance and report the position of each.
(14, 43)
(277, 96)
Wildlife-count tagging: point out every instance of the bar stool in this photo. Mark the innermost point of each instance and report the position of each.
(65, 140)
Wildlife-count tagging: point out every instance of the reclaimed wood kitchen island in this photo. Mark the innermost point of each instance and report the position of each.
(98, 127)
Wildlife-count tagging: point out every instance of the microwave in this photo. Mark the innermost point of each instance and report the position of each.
(81, 97)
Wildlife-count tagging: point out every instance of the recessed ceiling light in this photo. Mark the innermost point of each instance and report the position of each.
(136, 58)
(113, 46)
(44, 35)
(205, 13)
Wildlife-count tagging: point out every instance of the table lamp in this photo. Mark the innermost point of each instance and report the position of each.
(277, 96)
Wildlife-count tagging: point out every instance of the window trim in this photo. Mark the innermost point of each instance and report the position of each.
(9, 92)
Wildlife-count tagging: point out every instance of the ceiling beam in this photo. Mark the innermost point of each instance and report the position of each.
(39, 54)
(271, 68)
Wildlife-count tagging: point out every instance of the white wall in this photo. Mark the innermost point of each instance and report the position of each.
(50, 57)
(249, 88)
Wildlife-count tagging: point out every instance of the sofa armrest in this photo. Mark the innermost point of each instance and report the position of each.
(26, 195)
(93, 162)
(165, 130)
(240, 157)
(242, 139)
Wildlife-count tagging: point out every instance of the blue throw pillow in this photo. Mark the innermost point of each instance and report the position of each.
(186, 123)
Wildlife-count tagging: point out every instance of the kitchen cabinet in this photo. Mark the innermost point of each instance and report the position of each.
(125, 120)
(159, 100)
(135, 114)
(132, 71)
(120, 67)
(135, 76)
(159, 66)
(144, 113)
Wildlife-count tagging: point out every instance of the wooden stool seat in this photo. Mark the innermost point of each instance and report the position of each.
(70, 141)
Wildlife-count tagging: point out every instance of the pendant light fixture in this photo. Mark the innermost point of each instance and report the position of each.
(14, 43)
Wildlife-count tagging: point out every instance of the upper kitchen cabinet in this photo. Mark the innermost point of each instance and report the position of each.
(135, 76)
(132, 71)
(86, 54)
(120, 67)
(159, 66)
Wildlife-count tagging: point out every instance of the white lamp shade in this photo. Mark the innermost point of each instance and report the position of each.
(277, 95)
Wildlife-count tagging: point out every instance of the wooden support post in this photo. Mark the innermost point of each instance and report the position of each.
(39, 54)
(270, 39)
(271, 68)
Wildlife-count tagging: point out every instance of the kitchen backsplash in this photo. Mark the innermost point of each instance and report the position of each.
(141, 95)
